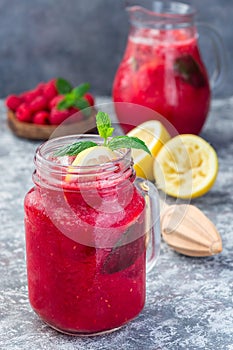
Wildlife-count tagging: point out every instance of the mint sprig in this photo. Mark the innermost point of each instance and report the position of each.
(105, 130)
(73, 97)
(104, 126)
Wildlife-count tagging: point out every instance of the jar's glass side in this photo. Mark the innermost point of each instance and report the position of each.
(86, 288)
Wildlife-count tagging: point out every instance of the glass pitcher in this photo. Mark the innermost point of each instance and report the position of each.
(162, 67)
(92, 232)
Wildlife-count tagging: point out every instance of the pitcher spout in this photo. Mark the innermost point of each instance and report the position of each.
(160, 14)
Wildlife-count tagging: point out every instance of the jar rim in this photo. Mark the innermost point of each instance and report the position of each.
(52, 145)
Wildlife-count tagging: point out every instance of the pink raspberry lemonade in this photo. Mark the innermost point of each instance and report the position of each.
(162, 69)
(85, 242)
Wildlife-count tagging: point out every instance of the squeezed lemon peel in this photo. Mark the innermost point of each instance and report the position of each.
(186, 167)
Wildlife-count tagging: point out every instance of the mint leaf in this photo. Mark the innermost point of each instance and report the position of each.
(65, 103)
(104, 126)
(63, 86)
(84, 106)
(74, 149)
(70, 101)
(189, 71)
(81, 103)
(127, 142)
(81, 90)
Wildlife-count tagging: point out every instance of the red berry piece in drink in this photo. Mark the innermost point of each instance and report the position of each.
(123, 85)
(38, 104)
(23, 113)
(149, 86)
(13, 102)
(41, 118)
(124, 255)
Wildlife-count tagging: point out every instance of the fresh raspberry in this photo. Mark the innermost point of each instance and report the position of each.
(41, 118)
(54, 102)
(90, 99)
(73, 110)
(29, 96)
(40, 88)
(50, 90)
(56, 116)
(23, 113)
(38, 104)
(13, 102)
(76, 117)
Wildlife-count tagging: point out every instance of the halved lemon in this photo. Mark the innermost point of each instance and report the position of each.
(91, 156)
(186, 166)
(154, 134)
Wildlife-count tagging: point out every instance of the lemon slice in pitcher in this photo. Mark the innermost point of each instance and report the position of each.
(90, 157)
(154, 134)
(186, 167)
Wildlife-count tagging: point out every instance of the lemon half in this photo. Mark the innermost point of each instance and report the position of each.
(186, 167)
(154, 134)
(90, 157)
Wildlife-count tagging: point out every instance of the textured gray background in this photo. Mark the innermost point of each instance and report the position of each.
(82, 41)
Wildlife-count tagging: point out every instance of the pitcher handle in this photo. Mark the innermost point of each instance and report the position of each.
(153, 229)
(218, 75)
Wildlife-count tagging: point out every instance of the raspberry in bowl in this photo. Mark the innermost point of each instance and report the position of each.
(37, 113)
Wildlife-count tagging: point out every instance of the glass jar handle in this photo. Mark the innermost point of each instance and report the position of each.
(219, 73)
(153, 230)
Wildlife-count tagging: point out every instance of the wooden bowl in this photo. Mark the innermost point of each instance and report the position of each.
(44, 132)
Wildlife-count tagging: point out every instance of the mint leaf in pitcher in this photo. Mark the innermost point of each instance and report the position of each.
(189, 70)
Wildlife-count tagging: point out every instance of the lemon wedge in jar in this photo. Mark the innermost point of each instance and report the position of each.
(94, 156)
(155, 135)
(90, 157)
(186, 167)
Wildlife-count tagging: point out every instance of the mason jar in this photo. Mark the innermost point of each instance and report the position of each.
(92, 232)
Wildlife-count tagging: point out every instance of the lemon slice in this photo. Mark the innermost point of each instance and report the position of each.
(186, 167)
(90, 157)
(154, 134)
